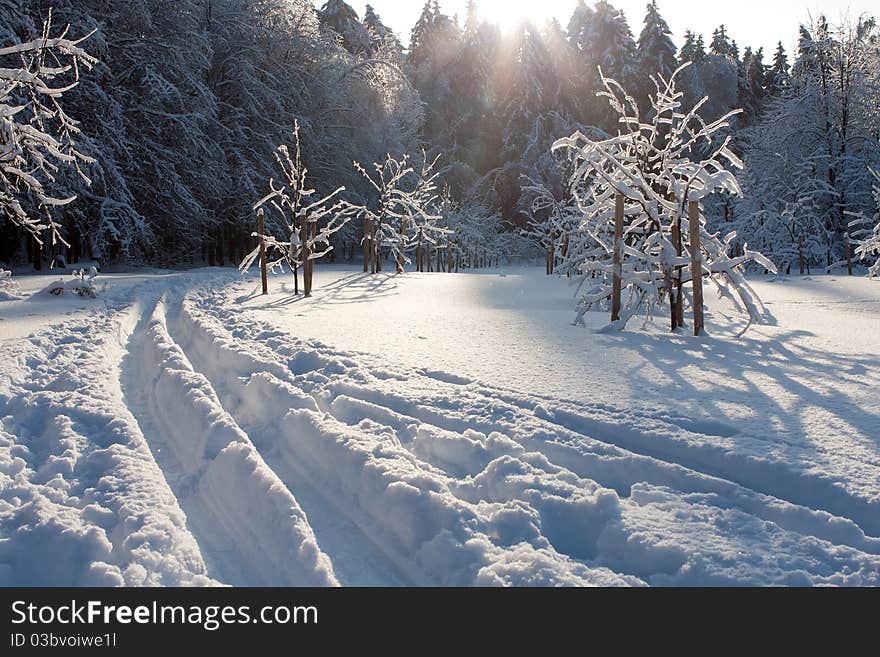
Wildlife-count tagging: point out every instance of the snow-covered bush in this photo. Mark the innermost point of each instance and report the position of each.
(552, 221)
(9, 289)
(866, 234)
(37, 137)
(653, 166)
(82, 284)
(292, 200)
(404, 209)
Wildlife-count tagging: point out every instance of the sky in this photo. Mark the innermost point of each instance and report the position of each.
(753, 23)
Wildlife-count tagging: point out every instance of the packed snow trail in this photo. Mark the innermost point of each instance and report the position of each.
(170, 438)
(83, 502)
(451, 436)
(250, 527)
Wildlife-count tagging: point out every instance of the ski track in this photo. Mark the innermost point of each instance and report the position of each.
(472, 450)
(277, 461)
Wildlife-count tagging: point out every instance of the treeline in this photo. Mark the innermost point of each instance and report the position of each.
(190, 99)
(182, 115)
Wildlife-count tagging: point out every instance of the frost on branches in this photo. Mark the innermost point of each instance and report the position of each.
(82, 284)
(552, 221)
(9, 289)
(654, 166)
(37, 137)
(307, 224)
(403, 212)
(866, 234)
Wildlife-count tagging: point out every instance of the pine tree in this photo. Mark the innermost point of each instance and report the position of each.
(578, 26)
(700, 50)
(471, 81)
(603, 41)
(434, 49)
(689, 47)
(563, 57)
(381, 36)
(657, 53)
(532, 91)
(779, 75)
(339, 16)
(420, 35)
(721, 44)
(757, 76)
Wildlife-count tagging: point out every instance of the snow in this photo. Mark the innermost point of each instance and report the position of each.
(434, 429)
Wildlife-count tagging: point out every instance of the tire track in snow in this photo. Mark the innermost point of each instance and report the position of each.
(663, 450)
(396, 412)
(90, 504)
(662, 444)
(423, 545)
(357, 559)
(249, 527)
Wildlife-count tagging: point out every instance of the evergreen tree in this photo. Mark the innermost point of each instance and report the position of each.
(578, 26)
(778, 74)
(434, 50)
(721, 44)
(471, 79)
(657, 53)
(602, 39)
(339, 16)
(381, 36)
(532, 90)
(420, 35)
(689, 47)
(700, 50)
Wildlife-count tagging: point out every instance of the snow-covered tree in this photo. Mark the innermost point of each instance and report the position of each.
(865, 233)
(780, 71)
(339, 16)
(37, 137)
(381, 36)
(652, 166)
(307, 222)
(403, 211)
(474, 238)
(721, 44)
(553, 218)
(604, 40)
(9, 288)
(657, 53)
(532, 90)
(821, 132)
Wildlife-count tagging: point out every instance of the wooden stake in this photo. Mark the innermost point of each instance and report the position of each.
(366, 244)
(677, 304)
(617, 283)
(304, 251)
(696, 266)
(261, 229)
(848, 254)
(313, 234)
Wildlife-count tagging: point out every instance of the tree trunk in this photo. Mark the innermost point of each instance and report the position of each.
(677, 304)
(38, 255)
(366, 245)
(261, 229)
(305, 254)
(696, 266)
(849, 266)
(617, 261)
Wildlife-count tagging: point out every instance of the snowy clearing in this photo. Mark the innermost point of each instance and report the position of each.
(433, 429)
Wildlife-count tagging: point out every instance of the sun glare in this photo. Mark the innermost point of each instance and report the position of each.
(508, 13)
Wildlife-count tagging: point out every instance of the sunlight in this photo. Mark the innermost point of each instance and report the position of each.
(508, 13)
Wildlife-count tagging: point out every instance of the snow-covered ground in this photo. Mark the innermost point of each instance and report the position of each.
(433, 429)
